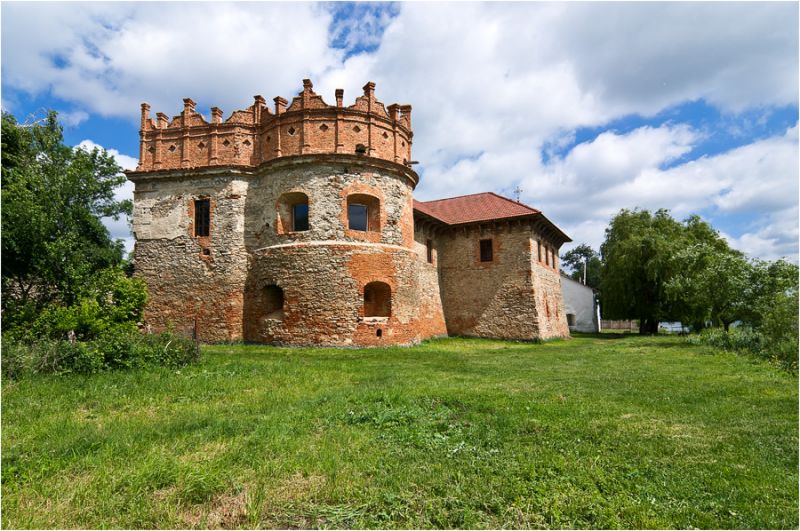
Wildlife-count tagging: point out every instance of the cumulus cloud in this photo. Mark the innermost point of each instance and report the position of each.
(758, 180)
(108, 58)
(492, 86)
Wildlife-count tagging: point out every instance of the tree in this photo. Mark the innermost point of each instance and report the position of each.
(711, 283)
(637, 264)
(53, 199)
(575, 260)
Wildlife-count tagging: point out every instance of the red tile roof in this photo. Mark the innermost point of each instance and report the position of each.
(485, 206)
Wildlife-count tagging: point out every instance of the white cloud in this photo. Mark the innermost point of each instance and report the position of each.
(108, 58)
(758, 180)
(72, 118)
(491, 85)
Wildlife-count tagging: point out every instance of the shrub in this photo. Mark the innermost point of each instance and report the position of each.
(109, 300)
(115, 348)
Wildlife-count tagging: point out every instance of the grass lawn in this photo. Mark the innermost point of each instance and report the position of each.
(607, 431)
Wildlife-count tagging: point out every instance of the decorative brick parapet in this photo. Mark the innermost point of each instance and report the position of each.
(252, 136)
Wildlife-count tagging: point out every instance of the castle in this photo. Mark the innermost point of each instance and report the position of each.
(297, 227)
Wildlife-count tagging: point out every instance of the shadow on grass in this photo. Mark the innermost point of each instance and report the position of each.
(603, 335)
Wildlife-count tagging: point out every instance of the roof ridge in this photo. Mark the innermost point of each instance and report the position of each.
(456, 197)
(514, 202)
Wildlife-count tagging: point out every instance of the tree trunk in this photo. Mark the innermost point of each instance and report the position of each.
(726, 325)
(648, 326)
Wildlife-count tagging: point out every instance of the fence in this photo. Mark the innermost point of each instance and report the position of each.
(631, 325)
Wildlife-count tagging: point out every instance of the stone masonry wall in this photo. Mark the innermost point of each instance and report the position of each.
(221, 280)
(509, 297)
(192, 278)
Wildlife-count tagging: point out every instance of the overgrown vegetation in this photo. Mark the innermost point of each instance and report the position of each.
(115, 348)
(654, 268)
(613, 431)
(69, 304)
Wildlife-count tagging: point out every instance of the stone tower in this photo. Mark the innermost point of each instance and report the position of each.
(289, 226)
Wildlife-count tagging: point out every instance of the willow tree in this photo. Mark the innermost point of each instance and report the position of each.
(637, 264)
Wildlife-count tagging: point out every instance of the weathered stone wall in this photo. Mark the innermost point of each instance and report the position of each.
(511, 296)
(323, 287)
(327, 186)
(221, 280)
(192, 278)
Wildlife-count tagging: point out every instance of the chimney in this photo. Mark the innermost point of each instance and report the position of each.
(339, 97)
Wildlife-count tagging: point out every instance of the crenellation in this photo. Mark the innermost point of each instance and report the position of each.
(307, 125)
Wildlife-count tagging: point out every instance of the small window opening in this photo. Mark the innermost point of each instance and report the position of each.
(202, 214)
(547, 256)
(429, 246)
(361, 149)
(273, 302)
(206, 252)
(379, 332)
(377, 300)
(300, 217)
(539, 247)
(357, 216)
(486, 251)
(571, 319)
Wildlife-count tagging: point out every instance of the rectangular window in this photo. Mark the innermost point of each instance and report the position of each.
(539, 245)
(429, 246)
(202, 215)
(486, 251)
(300, 217)
(555, 256)
(547, 256)
(357, 216)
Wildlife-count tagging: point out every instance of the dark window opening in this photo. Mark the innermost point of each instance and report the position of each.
(377, 300)
(357, 216)
(300, 217)
(571, 319)
(547, 256)
(361, 149)
(273, 302)
(539, 246)
(206, 252)
(486, 251)
(202, 215)
(379, 332)
(429, 246)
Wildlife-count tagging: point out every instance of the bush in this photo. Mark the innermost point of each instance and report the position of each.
(776, 340)
(115, 348)
(780, 330)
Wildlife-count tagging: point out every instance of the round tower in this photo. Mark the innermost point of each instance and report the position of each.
(294, 226)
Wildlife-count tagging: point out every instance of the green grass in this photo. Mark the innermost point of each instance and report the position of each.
(607, 431)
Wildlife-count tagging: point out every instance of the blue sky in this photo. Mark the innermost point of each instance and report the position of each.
(587, 107)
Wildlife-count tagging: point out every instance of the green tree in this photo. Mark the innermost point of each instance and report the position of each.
(575, 259)
(711, 283)
(53, 199)
(637, 264)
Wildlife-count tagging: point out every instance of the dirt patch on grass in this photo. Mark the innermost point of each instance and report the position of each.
(224, 511)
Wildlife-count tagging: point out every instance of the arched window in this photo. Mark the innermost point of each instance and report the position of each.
(363, 212)
(273, 302)
(292, 212)
(377, 300)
